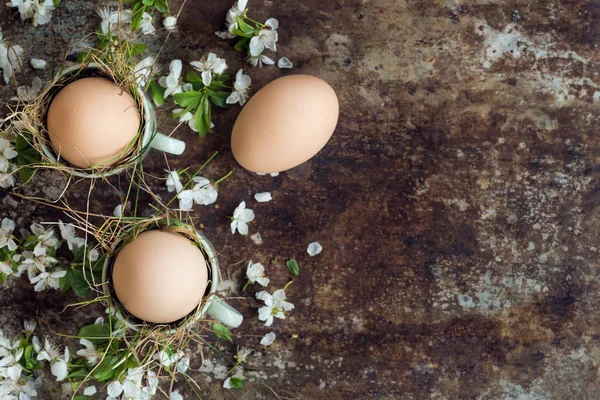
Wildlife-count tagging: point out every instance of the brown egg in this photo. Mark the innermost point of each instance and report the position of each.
(160, 277)
(285, 124)
(92, 121)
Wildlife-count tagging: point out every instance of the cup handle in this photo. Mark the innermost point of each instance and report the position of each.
(167, 144)
(222, 311)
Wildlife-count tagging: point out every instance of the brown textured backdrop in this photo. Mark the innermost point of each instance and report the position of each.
(456, 202)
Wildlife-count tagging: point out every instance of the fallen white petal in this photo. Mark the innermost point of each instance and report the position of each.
(314, 248)
(263, 197)
(268, 339)
(118, 211)
(90, 391)
(227, 383)
(284, 62)
(274, 174)
(38, 63)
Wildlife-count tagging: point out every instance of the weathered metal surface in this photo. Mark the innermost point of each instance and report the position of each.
(456, 202)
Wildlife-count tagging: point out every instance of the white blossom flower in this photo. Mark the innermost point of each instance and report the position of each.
(6, 268)
(67, 232)
(32, 263)
(203, 193)
(241, 217)
(38, 63)
(28, 93)
(143, 70)
(266, 38)
(259, 60)
(170, 22)
(152, 381)
(24, 389)
(130, 387)
(29, 326)
(49, 353)
(93, 255)
(242, 355)
(90, 353)
(263, 197)
(171, 82)
(45, 237)
(90, 391)
(118, 211)
(256, 273)
(167, 358)
(238, 9)
(37, 346)
(6, 238)
(39, 10)
(9, 362)
(7, 152)
(7, 180)
(275, 306)
(183, 364)
(241, 86)
(9, 58)
(173, 182)
(47, 280)
(59, 367)
(111, 19)
(268, 339)
(314, 248)
(284, 62)
(209, 65)
(176, 396)
(146, 24)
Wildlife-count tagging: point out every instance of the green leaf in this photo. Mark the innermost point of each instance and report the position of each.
(78, 373)
(237, 383)
(136, 48)
(293, 267)
(207, 113)
(30, 242)
(80, 286)
(148, 2)
(192, 76)
(238, 32)
(223, 332)
(97, 334)
(2, 278)
(81, 397)
(56, 3)
(26, 174)
(186, 99)
(219, 98)
(242, 44)
(202, 116)
(138, 11)
(161, 6)
(107, 368)
(66, 281)
(244, 27)
(158, 93)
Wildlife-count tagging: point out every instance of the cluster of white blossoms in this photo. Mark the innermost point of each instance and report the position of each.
(35, 253)
(112, 20)
(8, 156)
(253, 37)
(9, 58)
(22, 356)
(40, 11)
(202, 192)
(211, 69)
